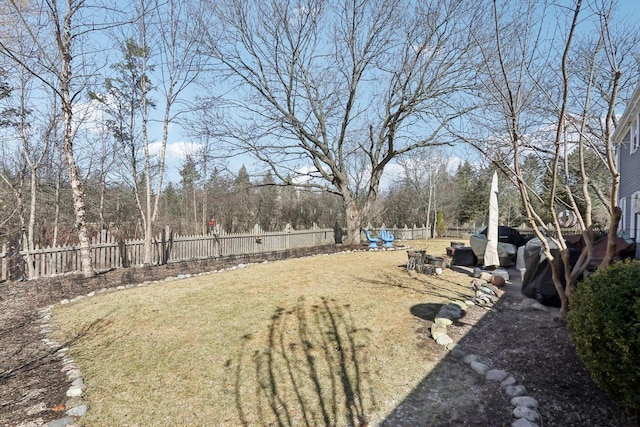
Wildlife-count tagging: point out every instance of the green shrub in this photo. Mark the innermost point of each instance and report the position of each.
(604, 322)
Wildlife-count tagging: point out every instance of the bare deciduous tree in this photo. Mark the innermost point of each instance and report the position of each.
(52, 31)
(175, 31)
(425, 173)
(324, 85)
(160, 59)
(552, 97)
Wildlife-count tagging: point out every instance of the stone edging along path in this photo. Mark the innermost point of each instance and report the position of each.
(525, 407)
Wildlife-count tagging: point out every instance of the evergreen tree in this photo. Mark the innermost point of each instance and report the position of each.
(267, 203)
(441, 224)
(218, 199)
(242, 202)
(473, 201)
(189, 178)
(173, 212)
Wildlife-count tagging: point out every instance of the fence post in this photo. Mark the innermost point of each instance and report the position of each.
(216, 242)
(257, 237)
(316, 237)
(122, 248)
(288, 229)
(166, 245)
(3, 264)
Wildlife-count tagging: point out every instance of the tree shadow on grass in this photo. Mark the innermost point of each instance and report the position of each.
(312, 370)
(419, 286)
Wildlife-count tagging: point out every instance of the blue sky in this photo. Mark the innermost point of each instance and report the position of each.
(180, 144)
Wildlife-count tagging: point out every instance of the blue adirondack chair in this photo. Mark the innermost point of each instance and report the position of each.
(387, 237)
(373, 241)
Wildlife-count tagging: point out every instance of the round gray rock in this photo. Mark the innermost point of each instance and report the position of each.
(74, 374)
(444, 340)
(497, 375)
(527, 401)
(515, 390)
(443, 320)
(470, 358)
(437, 330)
(479, 367)
(62, 422)
(526, 413)
(78, 411)
(457, 352)
(523, 422)
(510, 380)
(74, 391)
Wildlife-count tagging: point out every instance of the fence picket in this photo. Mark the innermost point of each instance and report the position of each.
(3, 263)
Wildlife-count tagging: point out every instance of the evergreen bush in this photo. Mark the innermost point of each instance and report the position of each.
(604, 322)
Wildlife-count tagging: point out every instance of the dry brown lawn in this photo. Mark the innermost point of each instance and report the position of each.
(324, 340)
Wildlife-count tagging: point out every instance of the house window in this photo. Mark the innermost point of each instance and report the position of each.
(635, 135)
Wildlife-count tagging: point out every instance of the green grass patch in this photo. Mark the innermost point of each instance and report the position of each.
(324, 340)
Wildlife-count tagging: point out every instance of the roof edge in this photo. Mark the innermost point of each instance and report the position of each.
(629, 112)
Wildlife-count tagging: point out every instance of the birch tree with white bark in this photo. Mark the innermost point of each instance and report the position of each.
(55, 31)
(165, 36)
(159, 62)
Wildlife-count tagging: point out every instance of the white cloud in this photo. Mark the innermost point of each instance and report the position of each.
(393, 172)
(304, 175)
(453, 163)
(176, 150)
(90, 116)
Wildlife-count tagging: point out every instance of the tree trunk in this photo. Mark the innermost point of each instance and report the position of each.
(78, 197)
(569, 284)
(557, 283)
(354, 222)
(103, 190)
(435, 217)
(148, 230)
(64, 43)
(612, 237)
(616, 212)
(581, 264)
(56, 215)
(32, 222)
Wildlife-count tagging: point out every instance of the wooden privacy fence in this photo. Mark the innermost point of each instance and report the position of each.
(167, 247)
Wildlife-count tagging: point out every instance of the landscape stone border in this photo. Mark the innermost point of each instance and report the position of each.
(525, 407)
